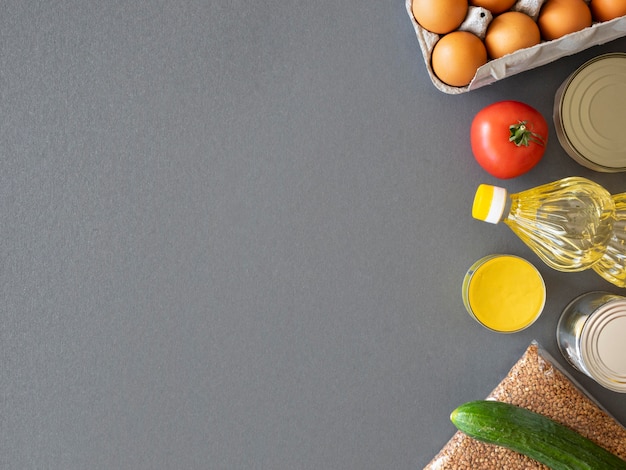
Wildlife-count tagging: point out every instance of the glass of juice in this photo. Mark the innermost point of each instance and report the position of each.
(504, 293)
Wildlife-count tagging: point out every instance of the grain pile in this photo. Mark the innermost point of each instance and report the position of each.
(534, 383)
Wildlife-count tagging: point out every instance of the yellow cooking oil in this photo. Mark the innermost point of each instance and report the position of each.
(504, 293)
(612, 265)
(567, 223)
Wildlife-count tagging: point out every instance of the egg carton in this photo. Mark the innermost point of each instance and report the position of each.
(477, 21)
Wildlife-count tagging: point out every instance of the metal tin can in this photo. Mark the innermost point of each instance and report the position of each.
(591, 334)
(504, 293)
(590, 113)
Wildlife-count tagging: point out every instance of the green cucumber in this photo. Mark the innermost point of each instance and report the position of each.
(533, 435)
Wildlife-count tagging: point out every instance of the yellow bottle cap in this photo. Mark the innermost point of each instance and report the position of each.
(489, 203)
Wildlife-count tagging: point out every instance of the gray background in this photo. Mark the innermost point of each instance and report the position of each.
(234, 235)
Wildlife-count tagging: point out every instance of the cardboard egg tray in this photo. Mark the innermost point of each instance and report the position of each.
(523, 59)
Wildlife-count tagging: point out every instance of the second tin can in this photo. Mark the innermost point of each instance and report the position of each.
(591, 335)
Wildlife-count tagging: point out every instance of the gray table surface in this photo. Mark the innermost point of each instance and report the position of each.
(234, 235)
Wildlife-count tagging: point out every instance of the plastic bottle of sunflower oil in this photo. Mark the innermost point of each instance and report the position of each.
(612, 265)
(568, 223)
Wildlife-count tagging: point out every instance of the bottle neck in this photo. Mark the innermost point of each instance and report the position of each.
(510, 204)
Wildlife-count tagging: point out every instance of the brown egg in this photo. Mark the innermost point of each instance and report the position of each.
(606, 10)
(494, 6)
(439, 16)
(510, 32)
(457, 56)
(560, 17)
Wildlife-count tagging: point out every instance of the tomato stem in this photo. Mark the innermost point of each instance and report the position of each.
(520, 135)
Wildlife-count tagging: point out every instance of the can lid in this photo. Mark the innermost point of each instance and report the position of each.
(592, 114)
(603, 347)
(489, 203)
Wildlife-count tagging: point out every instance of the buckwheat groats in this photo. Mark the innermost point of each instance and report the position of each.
(534, 383)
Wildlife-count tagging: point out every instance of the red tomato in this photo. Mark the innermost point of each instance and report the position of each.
(508, 138)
